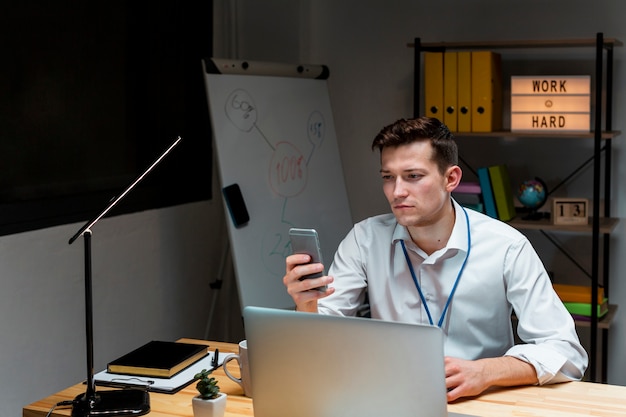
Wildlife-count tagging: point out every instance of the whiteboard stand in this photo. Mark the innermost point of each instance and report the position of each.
(216, 286)
(274, 137)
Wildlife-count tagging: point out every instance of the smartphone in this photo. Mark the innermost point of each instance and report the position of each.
(307, 241)
(236, 205)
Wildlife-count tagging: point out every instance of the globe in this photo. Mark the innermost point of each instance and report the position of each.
(532, 193)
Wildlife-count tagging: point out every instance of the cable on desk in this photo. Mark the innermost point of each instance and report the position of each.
(59, 404)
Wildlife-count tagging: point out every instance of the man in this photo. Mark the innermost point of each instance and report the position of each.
(432, 261)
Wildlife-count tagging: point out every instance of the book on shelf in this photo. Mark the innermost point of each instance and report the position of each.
(584, 309)
(487, 192)
(467, 187)
(577, 293)
(502, 191)
(468, 194)
(470, 201)
(158, 359)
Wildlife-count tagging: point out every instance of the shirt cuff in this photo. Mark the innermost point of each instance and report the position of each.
(547, 363)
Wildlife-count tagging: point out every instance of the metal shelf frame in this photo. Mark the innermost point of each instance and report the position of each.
(602, 133)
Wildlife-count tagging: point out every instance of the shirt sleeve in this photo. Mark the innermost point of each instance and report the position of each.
(350, 280)
(551, 343)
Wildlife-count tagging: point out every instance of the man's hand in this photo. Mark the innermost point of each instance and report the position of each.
(469, 378)
(303, 292)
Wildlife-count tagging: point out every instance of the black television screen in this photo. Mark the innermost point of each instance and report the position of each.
(92, 93)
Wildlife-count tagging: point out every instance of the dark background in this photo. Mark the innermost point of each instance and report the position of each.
(92, 93)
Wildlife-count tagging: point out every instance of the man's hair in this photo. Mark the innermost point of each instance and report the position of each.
(403, 132)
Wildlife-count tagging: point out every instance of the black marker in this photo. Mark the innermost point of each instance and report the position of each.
(216, 360)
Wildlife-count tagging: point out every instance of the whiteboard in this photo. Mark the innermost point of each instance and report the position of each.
(275, 138)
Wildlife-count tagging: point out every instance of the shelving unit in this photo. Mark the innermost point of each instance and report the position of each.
(600, 224)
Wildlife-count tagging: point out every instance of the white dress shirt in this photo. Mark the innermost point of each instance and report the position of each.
(503, 274)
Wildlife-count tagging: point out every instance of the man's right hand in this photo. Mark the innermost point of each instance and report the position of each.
(303, 292)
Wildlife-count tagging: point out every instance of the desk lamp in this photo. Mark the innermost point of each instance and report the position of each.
(125, 402)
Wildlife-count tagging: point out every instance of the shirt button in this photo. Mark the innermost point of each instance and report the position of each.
(428, 296)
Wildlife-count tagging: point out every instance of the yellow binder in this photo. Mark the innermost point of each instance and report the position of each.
(486, 91)
(433, 84)
(450, 90)
(464, 96)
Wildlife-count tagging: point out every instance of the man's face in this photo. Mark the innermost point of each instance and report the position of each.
(413, 185)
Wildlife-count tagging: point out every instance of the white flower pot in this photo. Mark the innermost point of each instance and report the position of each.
(209, 408)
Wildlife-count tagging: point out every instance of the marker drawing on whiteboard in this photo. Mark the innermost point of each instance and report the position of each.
(242, 112)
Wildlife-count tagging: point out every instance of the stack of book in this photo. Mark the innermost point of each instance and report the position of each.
(469, 195)
(577, 300)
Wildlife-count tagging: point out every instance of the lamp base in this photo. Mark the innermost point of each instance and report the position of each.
(126, 402)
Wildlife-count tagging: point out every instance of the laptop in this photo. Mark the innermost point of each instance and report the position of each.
(313, 365)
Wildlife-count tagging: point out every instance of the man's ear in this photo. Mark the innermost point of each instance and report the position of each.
(453, 177)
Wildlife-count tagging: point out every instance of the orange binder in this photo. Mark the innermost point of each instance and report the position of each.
(464, 88)
(486, 91)
(450, 90)
(433, 84)
(577, 293)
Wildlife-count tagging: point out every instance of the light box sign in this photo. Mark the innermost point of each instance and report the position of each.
(550, 103)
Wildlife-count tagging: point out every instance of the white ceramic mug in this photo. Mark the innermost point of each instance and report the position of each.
(244, 369)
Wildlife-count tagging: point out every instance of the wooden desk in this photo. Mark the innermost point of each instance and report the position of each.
(570, 399)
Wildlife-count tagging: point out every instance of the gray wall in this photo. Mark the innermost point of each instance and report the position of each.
(152, 269)
(151, 276)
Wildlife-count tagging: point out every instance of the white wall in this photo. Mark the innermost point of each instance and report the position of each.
(364, 44)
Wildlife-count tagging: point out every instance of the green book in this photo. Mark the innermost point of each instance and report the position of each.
(584, 309)
(502, 192)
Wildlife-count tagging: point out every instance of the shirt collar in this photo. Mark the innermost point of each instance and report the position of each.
(458, 238)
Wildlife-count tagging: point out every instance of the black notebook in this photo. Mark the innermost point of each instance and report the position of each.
(158, 359)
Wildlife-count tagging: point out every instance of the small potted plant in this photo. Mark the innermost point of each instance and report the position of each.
(210, 402)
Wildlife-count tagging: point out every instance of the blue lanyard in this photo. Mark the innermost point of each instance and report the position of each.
(456, 282)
